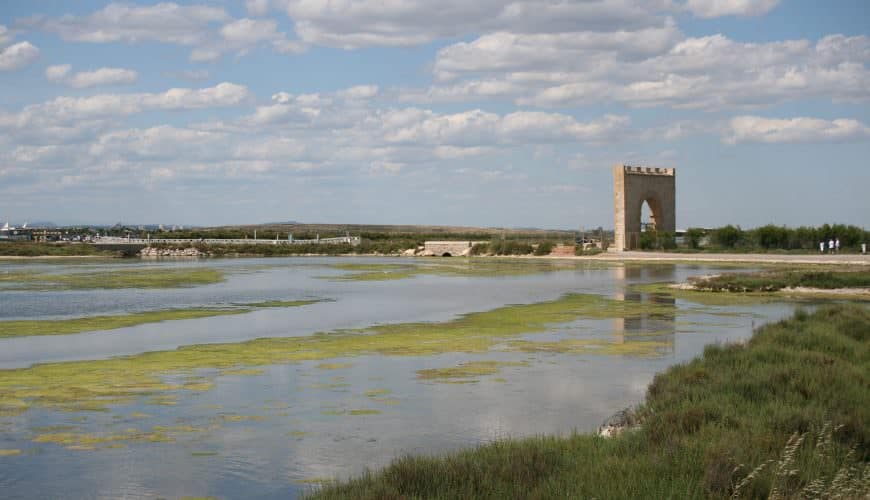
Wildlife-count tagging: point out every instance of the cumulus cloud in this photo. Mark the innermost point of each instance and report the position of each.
(650, 67)
(97, 78)
(359, 92)
(353, 24)
(257, 7)
(163, 22)
(793, 130)
(480, 128)
(247, 31)
(17, 55)
(718, 8)
(210, 31)
(57, 73)
(71, 110)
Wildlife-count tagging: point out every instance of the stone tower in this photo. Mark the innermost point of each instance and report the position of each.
(631, 187)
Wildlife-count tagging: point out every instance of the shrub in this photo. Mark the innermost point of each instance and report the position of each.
(544, 248)
(727, 236)
(693, 237)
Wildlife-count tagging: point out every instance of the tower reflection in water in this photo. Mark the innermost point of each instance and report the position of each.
(657, 325)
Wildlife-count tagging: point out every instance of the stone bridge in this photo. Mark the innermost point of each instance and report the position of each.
(448, 248)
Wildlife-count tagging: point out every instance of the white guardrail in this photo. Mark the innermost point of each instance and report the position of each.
(115, 240)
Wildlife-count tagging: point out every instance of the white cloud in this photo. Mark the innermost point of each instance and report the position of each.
(163, 22)
(718, 8)
(79, 112)
(503, 51)
(359, 92)
(57, 73)
(191, 75)
(479, 128)
(793, 130)
(96, 78)
(5, 36)
(257, 7)
(249, 31)
(17, 55)
(201, 54)
(650, 67)
(353, 24)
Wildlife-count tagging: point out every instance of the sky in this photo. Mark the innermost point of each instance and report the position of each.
(453, 112)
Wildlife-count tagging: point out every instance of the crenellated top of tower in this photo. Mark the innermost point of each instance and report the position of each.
(643, 170)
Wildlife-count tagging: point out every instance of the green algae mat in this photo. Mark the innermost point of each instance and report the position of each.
(24, 328)
(95, 385)
(114, 279)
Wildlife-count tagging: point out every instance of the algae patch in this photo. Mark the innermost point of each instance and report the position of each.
(469, 268)
(467, 370)
(25, 328)
(114, 279)
(93, 323)
(97, 385)
(10, 453)
(334, 366)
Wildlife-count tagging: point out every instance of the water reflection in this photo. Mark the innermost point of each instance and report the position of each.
(269, 435)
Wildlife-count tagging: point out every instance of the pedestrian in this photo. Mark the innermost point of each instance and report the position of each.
(821, 247)
(831, 245)
(837, 244)
(863, 249)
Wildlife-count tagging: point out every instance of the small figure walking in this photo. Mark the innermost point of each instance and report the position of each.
(863, 249)
(821, 247)
(831, 245)
(837, 245)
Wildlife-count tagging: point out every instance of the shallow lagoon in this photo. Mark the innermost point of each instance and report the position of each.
(277, 430)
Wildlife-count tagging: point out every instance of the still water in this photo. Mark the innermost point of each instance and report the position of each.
(280, 431)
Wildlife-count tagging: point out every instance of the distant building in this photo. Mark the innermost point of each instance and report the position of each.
(15, 233)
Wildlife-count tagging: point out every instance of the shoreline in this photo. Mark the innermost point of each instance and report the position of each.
(632, 256)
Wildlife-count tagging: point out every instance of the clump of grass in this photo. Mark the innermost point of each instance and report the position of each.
(755, 403)
(773, 281)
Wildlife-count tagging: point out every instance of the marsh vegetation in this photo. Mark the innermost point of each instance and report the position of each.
(783, 416)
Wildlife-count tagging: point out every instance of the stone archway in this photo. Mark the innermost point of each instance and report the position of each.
(632, 186)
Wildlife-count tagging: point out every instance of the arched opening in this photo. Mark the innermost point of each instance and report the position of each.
(647, 217)
(446, 254)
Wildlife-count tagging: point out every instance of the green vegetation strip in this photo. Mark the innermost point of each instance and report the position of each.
(469, 268)
(77, 325)
(110, 279)
(94, 385)
(25, 328)
(784, 416)
(773, 281)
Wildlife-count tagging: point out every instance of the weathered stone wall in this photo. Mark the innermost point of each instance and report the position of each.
(631, 187)
(453, 248)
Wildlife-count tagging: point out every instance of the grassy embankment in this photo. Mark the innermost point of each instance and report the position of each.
(773, 281)
(769, 285)
(784, 416)
(29, 249)
(24, 328)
